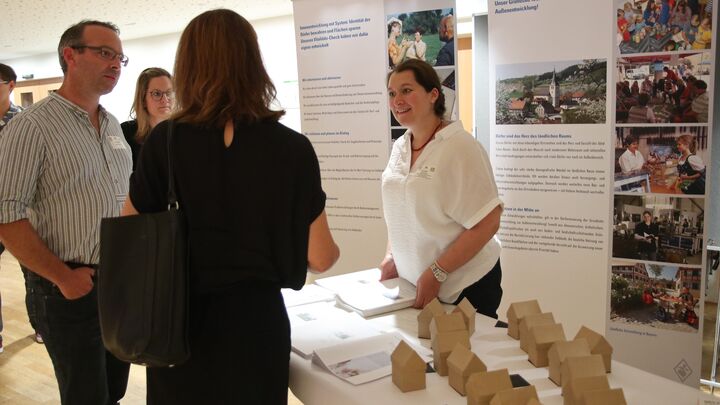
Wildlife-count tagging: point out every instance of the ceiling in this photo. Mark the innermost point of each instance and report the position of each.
(34, 27)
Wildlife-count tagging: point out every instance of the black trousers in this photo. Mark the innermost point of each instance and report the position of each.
(239, 351)
(86, 373)
(486, 293)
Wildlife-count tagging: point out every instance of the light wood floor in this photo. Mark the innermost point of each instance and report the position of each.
(26, 373)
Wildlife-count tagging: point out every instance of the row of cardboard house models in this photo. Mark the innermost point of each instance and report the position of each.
(578, 366)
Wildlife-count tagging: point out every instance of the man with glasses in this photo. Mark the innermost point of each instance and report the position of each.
(66, 166)
(7, 111)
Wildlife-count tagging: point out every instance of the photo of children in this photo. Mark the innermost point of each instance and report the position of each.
(661, 160)
(658, 228)
(670, 88)
(663, 25)
(655, 295)
(558, 92)
(427, 35)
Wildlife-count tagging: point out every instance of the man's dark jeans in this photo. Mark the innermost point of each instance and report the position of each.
(86, 373)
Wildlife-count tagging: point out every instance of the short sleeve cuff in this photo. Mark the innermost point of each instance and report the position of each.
(11, 211)
(482, 213)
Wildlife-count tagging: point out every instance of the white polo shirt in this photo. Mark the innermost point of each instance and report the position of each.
(629, 161)
(450, 189)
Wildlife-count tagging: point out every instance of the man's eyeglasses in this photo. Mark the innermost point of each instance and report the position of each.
(157, 95)
(4, 81)
(105, 53)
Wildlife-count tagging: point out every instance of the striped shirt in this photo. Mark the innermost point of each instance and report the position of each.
(60, 174)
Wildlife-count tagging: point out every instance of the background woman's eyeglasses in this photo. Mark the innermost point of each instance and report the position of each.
(157, 95)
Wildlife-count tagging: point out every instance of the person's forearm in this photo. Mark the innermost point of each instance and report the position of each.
(470, 242)
(21, 239)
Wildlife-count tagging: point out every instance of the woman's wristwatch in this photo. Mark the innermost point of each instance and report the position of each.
(439, 273)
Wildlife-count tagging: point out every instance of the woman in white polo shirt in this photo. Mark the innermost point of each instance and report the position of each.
(440, 200)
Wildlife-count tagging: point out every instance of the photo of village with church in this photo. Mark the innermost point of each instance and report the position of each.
(561, 92)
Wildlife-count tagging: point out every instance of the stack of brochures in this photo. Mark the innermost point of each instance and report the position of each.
(310, 293)
(363, 293)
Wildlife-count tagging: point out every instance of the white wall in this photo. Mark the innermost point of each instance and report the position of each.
(279, 56)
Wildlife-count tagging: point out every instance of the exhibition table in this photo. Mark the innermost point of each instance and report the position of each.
(313, 385)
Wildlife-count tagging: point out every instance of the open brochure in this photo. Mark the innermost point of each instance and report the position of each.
(307, 295)
(363, 360)
(319, 325)
(364, 293)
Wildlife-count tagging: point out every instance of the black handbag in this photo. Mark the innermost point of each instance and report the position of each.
(143, 284)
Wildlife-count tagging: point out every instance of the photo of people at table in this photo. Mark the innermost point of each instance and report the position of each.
(658, 228)
(662, 160)
(655, 295)
(669, 88)
(663, 25)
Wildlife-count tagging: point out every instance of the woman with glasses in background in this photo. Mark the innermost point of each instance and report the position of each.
(153, 104)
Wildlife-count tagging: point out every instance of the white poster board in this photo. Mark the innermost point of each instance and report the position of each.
(343, 62)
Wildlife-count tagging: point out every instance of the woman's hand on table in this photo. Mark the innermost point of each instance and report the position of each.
(387, 268)
(427, 289)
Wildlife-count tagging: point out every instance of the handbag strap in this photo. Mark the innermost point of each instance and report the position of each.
(172, 197)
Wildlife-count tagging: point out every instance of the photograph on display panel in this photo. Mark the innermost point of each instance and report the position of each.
(658, 228)
(663, 25)
(428, 35)
(668, 88)
(661, 160)
(655, 295)
(559, 92)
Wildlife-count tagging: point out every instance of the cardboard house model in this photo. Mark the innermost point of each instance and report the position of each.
(517, 312)
(562, 350)
(468, 312)
(528, 322)
(580, 367)
(482, 387)
(461, 364)
(515, 396)
(598, 345)
(431, 310)
(408, 368)
(573, 394)
(604, 397)
(446, 331)
(541, 339)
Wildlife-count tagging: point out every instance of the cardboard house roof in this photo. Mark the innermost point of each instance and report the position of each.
(598, 343)
(515, 396)
(560, 351)
(447, 323)
(431, 310)
(518, 310)
(528, 322)
(573, 348)
(546, 335)
(465, 361)
(406, 358)
(574, 368)
(484, 385)
(468, 312)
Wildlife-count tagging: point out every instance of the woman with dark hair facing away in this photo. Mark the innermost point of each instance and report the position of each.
(250, 189)
(440, 200)
(152, 104)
